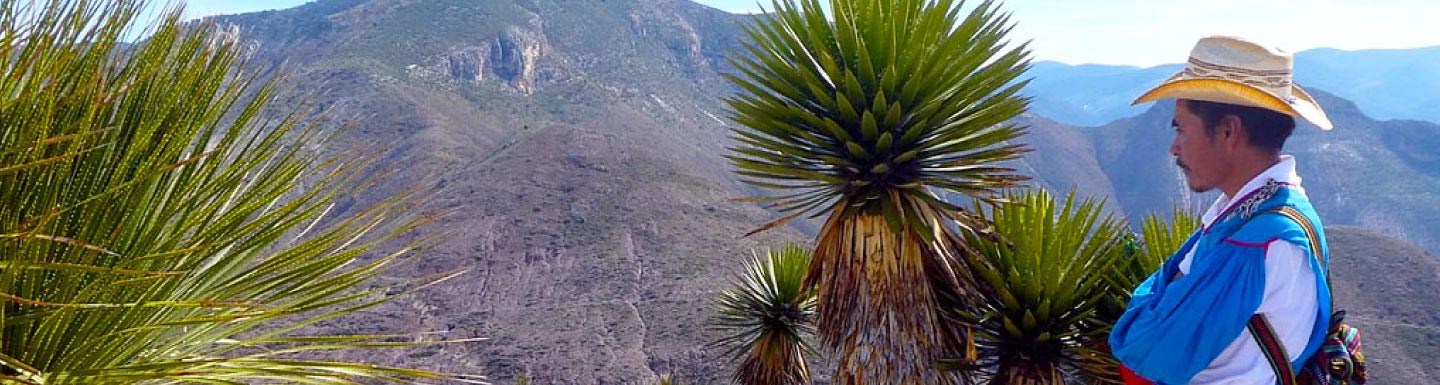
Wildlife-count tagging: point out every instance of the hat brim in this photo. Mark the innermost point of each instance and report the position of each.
(1225, 91)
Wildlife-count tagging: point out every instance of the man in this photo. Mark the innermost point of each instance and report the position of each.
(1235, 105)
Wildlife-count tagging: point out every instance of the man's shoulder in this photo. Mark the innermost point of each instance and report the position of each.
(1269, 225)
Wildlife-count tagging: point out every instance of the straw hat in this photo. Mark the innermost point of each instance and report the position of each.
(1236, 71)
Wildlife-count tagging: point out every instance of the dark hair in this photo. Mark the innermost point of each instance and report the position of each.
(1266, 129)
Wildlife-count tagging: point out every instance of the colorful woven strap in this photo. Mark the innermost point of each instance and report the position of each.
(1274, 351)
(1260, 327)
(1315, 248)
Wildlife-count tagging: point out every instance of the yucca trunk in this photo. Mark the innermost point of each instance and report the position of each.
(1027, 372)
(774, 361)
(1097, 364)
(877, 302)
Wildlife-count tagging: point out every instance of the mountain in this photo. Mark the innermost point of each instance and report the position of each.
(576, 147)
(1385, 83)
(1388, 288)
(1090, 94)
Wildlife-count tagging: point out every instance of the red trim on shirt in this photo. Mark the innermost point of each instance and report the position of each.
(1250, 244)
(1130, 378)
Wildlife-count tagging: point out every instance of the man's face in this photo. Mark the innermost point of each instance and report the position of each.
(1200, 155)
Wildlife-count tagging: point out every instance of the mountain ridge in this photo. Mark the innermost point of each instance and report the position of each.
(1389, 84)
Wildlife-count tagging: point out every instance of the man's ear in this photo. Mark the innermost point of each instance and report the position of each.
(1230, 131)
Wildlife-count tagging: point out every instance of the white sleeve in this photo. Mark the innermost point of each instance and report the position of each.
(1291, 306)
(1290, 302)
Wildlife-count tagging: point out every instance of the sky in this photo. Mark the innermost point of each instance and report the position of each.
(1148, 32)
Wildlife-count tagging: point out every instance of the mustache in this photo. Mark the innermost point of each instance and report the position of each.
(1181, 164)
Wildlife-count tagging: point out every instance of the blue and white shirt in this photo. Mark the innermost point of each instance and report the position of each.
(1192, 329)
(1290, 302)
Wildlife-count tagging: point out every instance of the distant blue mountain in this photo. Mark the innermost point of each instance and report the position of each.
(1385, 84)
(1090, 94)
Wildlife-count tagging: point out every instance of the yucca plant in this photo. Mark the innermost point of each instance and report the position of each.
(766, 318)
(1041, 284)
(1159, 239)
(153, 223)
(871, 115)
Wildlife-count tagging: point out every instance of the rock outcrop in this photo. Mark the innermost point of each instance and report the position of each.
(517, 51)
(676, 31)
(468, 64)
(513, 56)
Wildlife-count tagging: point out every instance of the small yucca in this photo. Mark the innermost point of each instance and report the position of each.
(1041, 283)
(767, 317)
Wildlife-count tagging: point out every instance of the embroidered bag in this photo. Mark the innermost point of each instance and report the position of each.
(1340, 360)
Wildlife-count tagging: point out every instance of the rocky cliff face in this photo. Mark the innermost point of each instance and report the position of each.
(468, 65)
(516, 53)
(514, 57)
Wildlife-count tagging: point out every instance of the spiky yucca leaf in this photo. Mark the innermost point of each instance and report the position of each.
(870, 117)
(160, 222)
(1161, 238)
(1041, 285)
(1144, 256)
(766, 318)
(871, 111)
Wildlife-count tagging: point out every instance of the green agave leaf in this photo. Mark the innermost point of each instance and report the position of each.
(822, 96)
(1053, 258)
(880, 169)
(1043, 311)
(164, 247)
(920, 128)
(858, 151)
(847, 110)
(1012, 329)
(1029, 322)
(855, 92)
(893, 117)
(885, 144)
(880, 105)
(889, 80)
(866, 76)
(869, 128)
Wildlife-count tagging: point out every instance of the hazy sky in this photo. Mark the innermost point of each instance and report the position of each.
(1151, 32)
